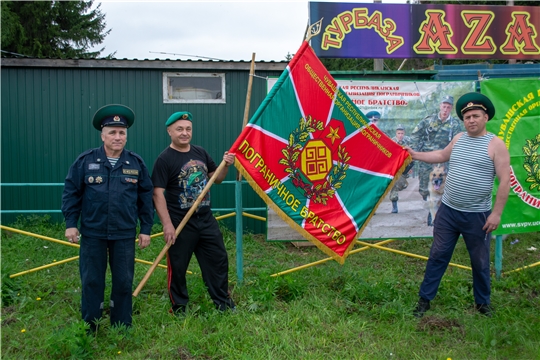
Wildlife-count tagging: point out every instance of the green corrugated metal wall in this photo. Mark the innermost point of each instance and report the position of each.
(46, 123)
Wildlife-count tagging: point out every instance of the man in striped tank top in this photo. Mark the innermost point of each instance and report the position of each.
(476, 157)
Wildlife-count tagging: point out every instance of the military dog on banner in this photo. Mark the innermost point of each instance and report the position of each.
(437, 179)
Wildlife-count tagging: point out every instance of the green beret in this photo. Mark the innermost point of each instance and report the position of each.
(475, 101)
(181, 115)
(373, 115)
(113, 115)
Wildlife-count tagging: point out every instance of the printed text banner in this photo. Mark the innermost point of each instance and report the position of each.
(310, 153)
(360, 30)
(517, 123)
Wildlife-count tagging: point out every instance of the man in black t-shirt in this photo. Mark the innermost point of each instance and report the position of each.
(180, 174)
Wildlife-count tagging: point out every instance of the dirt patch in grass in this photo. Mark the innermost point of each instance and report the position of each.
(185, 354)
(7, 234)
(433, 324)
(6, 315)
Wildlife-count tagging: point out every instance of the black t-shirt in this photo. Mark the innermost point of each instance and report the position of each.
(183, 175)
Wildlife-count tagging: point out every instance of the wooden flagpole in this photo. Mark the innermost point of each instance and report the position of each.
(179, 228)
(248, 101)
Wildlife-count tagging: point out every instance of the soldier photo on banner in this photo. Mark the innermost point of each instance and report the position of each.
(401, 183)
(373, 117)
(434, 132)
(420, 115)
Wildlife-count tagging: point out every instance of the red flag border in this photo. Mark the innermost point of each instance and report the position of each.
(325, 249)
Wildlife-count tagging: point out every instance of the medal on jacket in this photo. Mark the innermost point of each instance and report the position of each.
(99, 180)
(91, 179)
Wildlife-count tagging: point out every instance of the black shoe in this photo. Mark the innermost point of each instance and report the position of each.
(178, 310)
(485, 309)
(229, 305)
(394, 207)
(92, 329)
(421, 307)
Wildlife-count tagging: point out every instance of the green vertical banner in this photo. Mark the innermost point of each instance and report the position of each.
(517, 123)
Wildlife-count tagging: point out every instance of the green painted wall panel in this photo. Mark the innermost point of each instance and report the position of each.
(46, 122)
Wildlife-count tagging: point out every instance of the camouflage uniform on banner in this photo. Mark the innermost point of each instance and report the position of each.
(401, 183)
(433, 133)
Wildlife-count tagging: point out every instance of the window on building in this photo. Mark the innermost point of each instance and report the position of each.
(192, 88)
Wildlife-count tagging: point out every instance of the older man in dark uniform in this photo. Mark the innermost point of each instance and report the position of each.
(108, 189)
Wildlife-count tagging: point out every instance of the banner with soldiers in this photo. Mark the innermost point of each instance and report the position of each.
(418, 114)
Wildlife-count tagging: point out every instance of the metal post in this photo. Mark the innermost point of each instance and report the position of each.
(378, 64)
(238, 188)
(498, 256)
(239, 233)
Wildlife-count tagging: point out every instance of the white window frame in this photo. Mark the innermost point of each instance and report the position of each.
(167, 99)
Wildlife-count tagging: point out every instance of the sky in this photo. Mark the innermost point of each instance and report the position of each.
(223, 30)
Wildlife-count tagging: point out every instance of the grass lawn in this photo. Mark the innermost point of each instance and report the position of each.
(359, 310)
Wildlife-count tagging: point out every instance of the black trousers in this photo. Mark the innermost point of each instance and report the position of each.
(93, 267)
(201, 236)
(448, 225)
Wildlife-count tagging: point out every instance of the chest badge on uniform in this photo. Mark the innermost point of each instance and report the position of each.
(130, 172)
(93, 166)
(90, 179)
(99, 180)
(132, 180)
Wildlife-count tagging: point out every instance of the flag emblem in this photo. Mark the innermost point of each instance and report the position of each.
(310, 162)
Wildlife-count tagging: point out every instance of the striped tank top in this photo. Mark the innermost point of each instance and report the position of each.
(470, 176)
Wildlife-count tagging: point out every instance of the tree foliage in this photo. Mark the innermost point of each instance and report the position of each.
(52, 29)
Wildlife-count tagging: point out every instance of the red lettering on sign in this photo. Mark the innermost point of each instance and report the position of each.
(477, 42)
(436, 35)
(521, 35)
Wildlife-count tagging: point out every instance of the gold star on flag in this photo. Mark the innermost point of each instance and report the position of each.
(333, 134)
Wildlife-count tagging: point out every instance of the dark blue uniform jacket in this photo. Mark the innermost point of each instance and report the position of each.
(108, 200)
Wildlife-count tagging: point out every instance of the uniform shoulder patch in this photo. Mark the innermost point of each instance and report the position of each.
(136, 155)
(87, 152)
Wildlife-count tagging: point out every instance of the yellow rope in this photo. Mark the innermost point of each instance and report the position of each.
(323, 260)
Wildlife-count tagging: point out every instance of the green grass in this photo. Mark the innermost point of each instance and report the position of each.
(359, 310)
